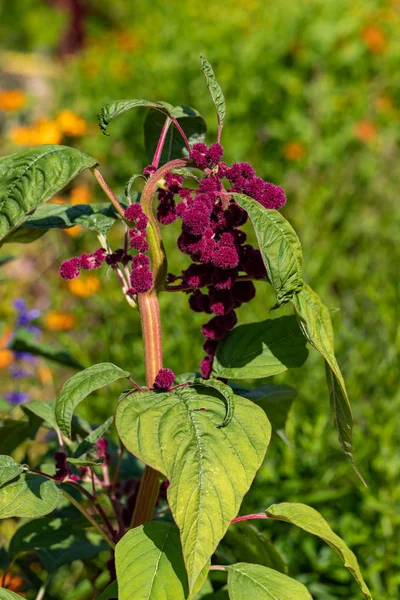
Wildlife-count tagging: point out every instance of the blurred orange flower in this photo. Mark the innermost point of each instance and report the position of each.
(43, 132)
(365, 131)
(6, 358)
(70, 124)
(384, 103)
(374, 39)
(84, 287)
(6, 336)
(12, 100)
(80, 194)
(60, 321)
(57, 200)
(294, 150)
(73, 231)
(12, 583)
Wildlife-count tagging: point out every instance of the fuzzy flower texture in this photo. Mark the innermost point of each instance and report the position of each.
(219, 279)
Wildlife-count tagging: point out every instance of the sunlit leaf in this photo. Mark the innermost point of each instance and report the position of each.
(30, 495)
(247, 581)
(9, 469)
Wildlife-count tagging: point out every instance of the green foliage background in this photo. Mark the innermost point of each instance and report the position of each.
(300, 72)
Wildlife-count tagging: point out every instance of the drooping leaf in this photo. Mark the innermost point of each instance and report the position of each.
(32, 177)
(57, 541)
(81, 385)
(275, 400)
(44, 410)
(191, 122)
(247, 581)
(97, 217)
(227, 395)
(30, 495)
(13, 433)
(316, 324)
(209, 469)
(93, 438)
(279, 246)
(110, 592)
(260, 349)
(24, 341)
(215, 90)
(150, 565)
(310, 520)
(117, 107)
(9, 469)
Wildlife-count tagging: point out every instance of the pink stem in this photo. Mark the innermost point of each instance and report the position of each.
(248, 517)
(100, 180)
(160, 144)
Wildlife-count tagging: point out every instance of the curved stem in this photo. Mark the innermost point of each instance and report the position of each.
(248, 517)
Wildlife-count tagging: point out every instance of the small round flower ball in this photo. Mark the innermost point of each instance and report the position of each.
(69, 269)
(164, 379)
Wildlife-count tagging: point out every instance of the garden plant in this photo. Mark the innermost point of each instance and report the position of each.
(173, 530)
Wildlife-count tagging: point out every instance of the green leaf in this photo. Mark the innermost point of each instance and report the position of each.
(93, 438)
(13, 433)
(316, 324)
(81, 385)
(280, 248)
(189, 119)
(275, 400)
(32, 177)
(57, 540)
(84, 462)
(24, 341)
(150, 565)
(205, 590)
(260, 349)
(9, 469)
(44, 410)
(110, 592)
(97, 217)
(8, 595)
(117, 107)
(244, 542)
(247, 581)
(310, 520)
(209, 469)
(29, 496)
(227, 395)
(215, 90)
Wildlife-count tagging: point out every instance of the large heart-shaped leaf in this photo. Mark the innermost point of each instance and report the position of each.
(247, 581)
(117, 107)
(215, 90)
(316, 324)
(150, 565)
(9, 469)
(25, 341)
(279, 246)
(209, 468)
(33, 176)
(191, 122)
(28, 496)
(310, 520)
(260, 349)
(275, 400)
(57, 540)
(81, 385)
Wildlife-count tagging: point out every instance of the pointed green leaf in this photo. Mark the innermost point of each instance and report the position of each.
(260, 349)
(25, 341)
(316, 324)
(8, 595)
(29, 496)
(93, 437)
(44, 410)
(9, 469)
(32, 177)
(279, 245)
(209, 469)
(247, 581)
(150, 565)
(215, 90)
(275, 400)
(81, 385)
(310, 520)
(117, 107)
(189, 119)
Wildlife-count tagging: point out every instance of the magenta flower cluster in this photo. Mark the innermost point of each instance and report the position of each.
(141, 279)
(223, 265)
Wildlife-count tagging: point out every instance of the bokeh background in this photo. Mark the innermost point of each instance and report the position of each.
(313, 102)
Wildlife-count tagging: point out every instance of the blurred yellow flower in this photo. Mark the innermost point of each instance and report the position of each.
(73, 231)
(70, 124)
(12, 100)
(43, 132)
(60, 321)
(80, 194)
(6, 358)
(374, 39)
(365, 131)
(57, 200)
(84, 287)
(294, 150)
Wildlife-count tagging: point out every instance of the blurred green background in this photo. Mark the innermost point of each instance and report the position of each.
(313, 102)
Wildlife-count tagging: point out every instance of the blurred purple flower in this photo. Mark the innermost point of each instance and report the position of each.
(16, 397)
